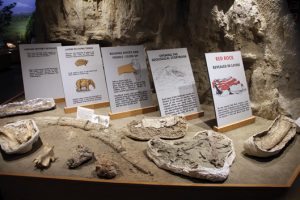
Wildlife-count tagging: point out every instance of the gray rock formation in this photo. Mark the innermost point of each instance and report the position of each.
(18, 137)
(169, 127)
(273, 140)
(25, 107)
(44, 160)
(264, 31)
(208, 155)
(106, 168)
(81, 155)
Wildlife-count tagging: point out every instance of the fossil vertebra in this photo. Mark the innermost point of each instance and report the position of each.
(24, 107)
(208, 155)
(18, 137)
(170, 127)
(45, 158)
(272, 140)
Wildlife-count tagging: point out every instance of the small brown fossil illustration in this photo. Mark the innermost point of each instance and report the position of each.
(81, 62)
(84, 83)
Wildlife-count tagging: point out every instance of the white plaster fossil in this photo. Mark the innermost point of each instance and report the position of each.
(45, 158)
(24, 107)
(273, 140)
(208, 155)
(169, 127)
(18, 137)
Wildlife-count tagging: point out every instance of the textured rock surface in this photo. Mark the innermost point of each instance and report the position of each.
(106, 168)
(44, 160)
(18, 137)
(170, 127)
(264, 31)
(208, 155)
(273, 140)
(81, 154)
(25, 107)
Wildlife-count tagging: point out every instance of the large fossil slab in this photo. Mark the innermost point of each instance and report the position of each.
(272, 140)
(18, 137)
(208, 155)
(170, 127)
(25, 107)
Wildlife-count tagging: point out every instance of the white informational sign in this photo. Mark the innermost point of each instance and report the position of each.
(82, 75)
(89, 114)
(174, 82)
(127, 78)
(229, 87)
(40, 71)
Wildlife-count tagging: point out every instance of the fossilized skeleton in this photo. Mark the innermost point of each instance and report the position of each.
(84, 83)
(45, 158)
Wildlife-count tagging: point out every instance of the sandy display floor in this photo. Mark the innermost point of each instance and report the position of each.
(245, 170)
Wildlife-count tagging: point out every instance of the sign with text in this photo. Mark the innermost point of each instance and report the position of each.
(174, 82)
(127, 78)
(229, 87)
(82, 75)
(40, 71)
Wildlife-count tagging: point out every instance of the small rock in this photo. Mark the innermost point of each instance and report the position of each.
(106, 169)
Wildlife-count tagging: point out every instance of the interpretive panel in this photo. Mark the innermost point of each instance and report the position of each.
(127, 78)
(229, 87)
(174, 81)
(82, 75)
(40, 71)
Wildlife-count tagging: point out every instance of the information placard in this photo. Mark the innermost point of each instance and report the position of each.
(40, 71)
(127, 78)
(82, 75)
(174, 82)
(229, 87)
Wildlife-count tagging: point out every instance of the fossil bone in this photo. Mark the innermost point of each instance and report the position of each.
(81, 154)
(24, 107)
(18, 137)
(170, 127)
(208, 155)
(45, 158)
(272, 140)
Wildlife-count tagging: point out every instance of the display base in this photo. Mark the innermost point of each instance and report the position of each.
(91, 106)
(59, 100)
(194, 115)
(133, 112)
(235, 125)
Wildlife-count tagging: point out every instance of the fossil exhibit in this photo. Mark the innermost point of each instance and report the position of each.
(18, 137)
(25, 107)
(106, 168)
(44, 160)
(271, 141)
(81, 154)
(81, 62)
(208, 155)
(169, 127)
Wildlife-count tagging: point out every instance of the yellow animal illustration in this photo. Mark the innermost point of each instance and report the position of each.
(81, 62)
(84, 83)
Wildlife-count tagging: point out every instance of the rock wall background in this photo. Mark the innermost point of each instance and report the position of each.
(264, 31)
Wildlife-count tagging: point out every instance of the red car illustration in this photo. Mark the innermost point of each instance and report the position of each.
(225, 84)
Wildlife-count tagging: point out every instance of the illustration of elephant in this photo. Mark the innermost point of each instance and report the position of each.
(84, 83)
